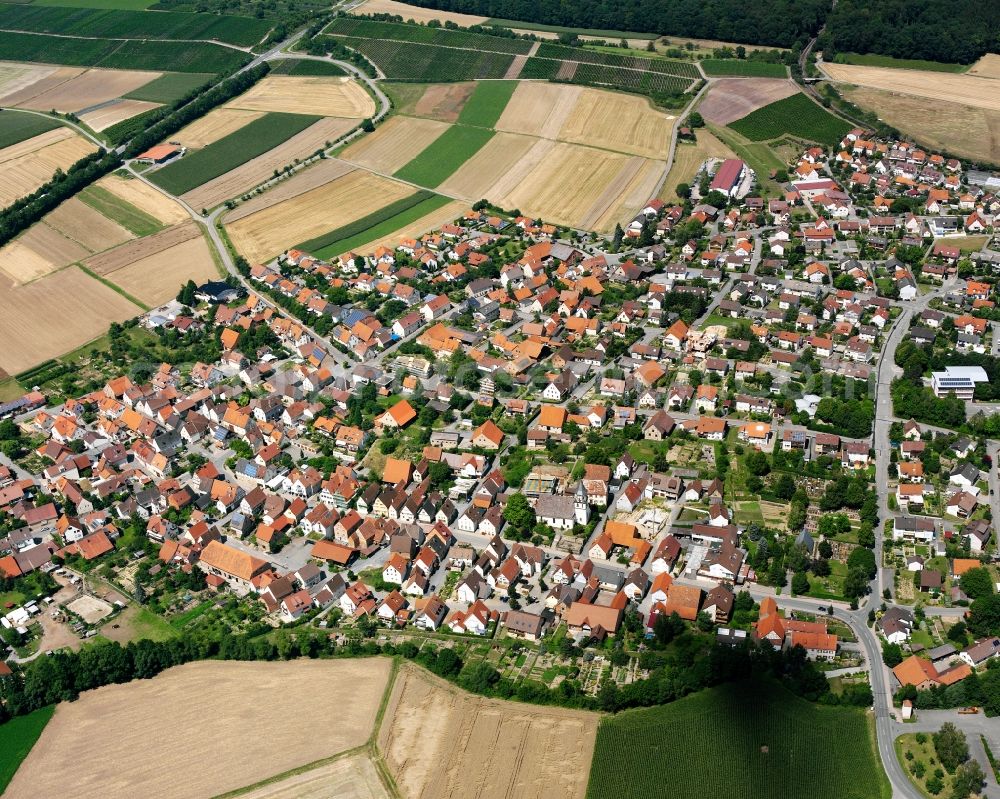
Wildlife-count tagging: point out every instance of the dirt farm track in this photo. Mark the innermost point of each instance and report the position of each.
(203, 729)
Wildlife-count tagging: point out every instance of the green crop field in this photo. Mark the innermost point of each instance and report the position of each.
(201, 166)
(487, 102)
(17, 737)
(540, 69)
(126, 5)
(754, 739)
(127, 128)
(120, 53)
(428, 63)
(538, 26)
(16, 126)
(125, 24)
(124, 213)
(421, 34)
(720, 67)
(443, 156)
(604, 58)
(796, 115)
(295, 66)
(654, 84)
(169, 87)
(873, 60)
(375, 226)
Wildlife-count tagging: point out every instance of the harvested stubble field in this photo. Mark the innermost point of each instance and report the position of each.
(256, 171)
(621, 122)
(442, 743)
(78, 221)
(157, 277)
(350, 777)
(15, 76)
(145, 198)
(497, 158)
(118, 111)
(32, 162)
(959, 129)
(316, 175)
(273, 230)
(394, 144)
(139, 249)
(416, 13)
(986, 67)
(37, 252)
(19, 82)
(633, 189)
(538, 185)
(729, 100)
(972, 90)
(315, 95)
(216, 124)
(83, 306)
(539, 109)
(80, 752)
(93, 87)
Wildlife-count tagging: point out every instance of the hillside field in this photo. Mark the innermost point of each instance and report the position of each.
(756, 737)
(796, 115)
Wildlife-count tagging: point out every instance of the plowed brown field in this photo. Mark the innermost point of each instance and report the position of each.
(442, 743)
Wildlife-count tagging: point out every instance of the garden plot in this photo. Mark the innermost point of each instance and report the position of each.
(732, 99)
(271, 231)
(90, 88)
(29, 164)
(394, 144)
(326, 96)
(259, 169)
(83, 307)
(313, 708)
(442, 743)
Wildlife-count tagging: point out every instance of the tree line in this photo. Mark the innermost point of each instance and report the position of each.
(691, 666)
(778, 23)
(935, 30)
